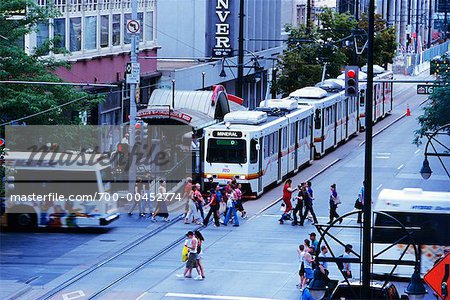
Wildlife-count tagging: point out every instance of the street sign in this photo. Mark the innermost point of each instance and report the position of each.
(438, 278)
(133, 26)
(2, 142)
(425, 89)
(133, 73)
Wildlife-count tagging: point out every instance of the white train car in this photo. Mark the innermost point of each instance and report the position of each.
(259, 147)
(329, 116)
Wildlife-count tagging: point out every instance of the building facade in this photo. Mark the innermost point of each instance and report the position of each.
(95, 33)
(199, 44)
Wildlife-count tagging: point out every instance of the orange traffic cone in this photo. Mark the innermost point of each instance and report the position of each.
(408, 111)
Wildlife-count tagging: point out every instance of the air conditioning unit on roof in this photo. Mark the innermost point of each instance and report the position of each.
(283, 104)
(246, 117)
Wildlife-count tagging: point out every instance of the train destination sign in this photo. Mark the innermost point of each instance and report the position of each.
(234, 134)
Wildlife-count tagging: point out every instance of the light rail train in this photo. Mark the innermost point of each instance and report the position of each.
(262, 147)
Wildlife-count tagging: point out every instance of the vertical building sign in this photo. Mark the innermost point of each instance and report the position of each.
(222, 35)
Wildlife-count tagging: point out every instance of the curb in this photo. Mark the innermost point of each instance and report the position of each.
(20, 292)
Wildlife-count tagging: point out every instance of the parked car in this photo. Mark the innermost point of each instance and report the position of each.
(353, 291)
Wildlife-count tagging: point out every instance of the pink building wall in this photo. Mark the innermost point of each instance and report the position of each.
(107, 68)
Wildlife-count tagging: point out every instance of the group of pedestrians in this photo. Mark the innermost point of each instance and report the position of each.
(304, 204)
(143, 201)
(229, 198)
(307, 254)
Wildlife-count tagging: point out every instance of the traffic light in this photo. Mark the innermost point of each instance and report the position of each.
(138, 133)
(351, 81)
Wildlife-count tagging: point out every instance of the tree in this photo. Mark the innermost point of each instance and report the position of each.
(436, 112)
(23, 100)
(302, 62)
(384, 44)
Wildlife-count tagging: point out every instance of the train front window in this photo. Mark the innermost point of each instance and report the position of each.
(226, 151)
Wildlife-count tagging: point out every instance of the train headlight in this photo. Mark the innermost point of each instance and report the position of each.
(242, 177)
(208, 176)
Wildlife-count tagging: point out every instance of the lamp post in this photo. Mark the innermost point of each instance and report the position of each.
(416, 290)
(203, 80)
(425, 171)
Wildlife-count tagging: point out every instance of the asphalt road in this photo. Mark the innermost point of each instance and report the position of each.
(256, 260)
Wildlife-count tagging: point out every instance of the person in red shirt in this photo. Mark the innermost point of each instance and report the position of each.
(287, 195)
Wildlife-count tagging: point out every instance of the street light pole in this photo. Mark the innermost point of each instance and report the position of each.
(367, 233)
(240, 78)
(133, 109)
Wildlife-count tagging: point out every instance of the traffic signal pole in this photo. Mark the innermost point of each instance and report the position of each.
(367, 224)
(133, 108)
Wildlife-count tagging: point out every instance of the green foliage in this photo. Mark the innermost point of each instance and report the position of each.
(302, 63)
(436, 112)
(17, 101)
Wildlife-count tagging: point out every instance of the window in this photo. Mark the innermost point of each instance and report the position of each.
(104, 31)
(266, 146)
(317, 119)
(59, 26)
(253, 151)
(127, 35)
(116, 30)
(90, 33)
(276, 142)
(292, 134)
(42, 34)
(284, 138)
(149, 27)
(75, 34)
(227, 151)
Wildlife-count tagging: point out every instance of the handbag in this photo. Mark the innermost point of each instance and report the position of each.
(337, 200)
(184, 254)
(358, 204)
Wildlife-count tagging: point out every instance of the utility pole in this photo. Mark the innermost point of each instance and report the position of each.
(240, 78)
(429, 24)
(416, 42)
(133, 109)
(367, 232)
(308, 15)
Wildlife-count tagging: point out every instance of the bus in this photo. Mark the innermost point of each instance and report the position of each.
(426, 213)
(48, 189)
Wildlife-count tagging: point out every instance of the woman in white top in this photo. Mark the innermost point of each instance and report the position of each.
(301, 267)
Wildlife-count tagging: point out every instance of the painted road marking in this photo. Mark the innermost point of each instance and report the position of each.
(142, 296)
(382, 157)
(203, 296)
(401, 166)
(73, 295)
(417, 151)
(379, 187)
(383, 153)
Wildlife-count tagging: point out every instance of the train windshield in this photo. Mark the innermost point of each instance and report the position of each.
(231, 151)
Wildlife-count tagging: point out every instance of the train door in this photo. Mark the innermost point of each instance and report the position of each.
(345, 118)
(280, 155)
(260, 165)
(294, 143)
(334, 110)
(383, 98)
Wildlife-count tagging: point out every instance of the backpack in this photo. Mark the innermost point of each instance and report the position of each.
(340, 264)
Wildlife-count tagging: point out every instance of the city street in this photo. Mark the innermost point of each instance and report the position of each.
(257, 260)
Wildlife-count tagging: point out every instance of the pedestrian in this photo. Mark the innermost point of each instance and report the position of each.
(213, 209)
(334, 202)
(137, 197)
(161, 206)
(359, 204)
(314, 242)
(310, 191)
(323, 265)
(298, 209)
(193, 211)
(200, 201)
(186, 194)
(301, 267)
(145, 199)
(308, 207)
(239, 204)
(287, 195)
(191, 244)
(231, 209)
(125, 139)
(347, 270)
(308, 262)
(200, 240)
